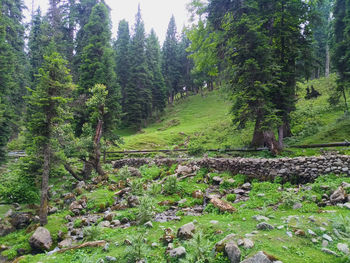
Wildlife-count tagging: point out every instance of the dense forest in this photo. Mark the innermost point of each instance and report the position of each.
(68, 88)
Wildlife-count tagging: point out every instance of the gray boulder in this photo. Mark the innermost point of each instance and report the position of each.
(233, 252)
(186, 231)
(264, 226)
(41, 239)
(260, 257)
(177, 252)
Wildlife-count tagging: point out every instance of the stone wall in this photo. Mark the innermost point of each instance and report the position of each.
(300, 169)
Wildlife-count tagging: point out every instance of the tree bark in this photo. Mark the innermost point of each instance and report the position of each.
(272, 144)
(280, 136)
(258, 136)
(45, 185)
(327, 66)
(287, 132)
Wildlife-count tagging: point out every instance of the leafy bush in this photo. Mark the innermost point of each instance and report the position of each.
(136, 187)
(92, 233)
(231, 197)
(154, 189)
(289, 198)
(210, 208)
(138, 249)
(124, 173)
(150, 172)
(20, 185)
(145, 210)
(195, 148)
(171, 186)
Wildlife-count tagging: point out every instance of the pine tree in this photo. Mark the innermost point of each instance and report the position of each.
(186, 64)
(170, 62)
(46, 104)
(97, 65)
(138, 93)
(153, 56)
(12, 69)
(341, 52)
(121, 48)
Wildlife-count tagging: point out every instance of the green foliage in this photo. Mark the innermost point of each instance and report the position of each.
(124, 173)
(150, 172)
(171, 186)
(145, 210)
(289, 198)
(195, 148)
(137, 250)
(92, 233)
(231, 197)
(137, 187)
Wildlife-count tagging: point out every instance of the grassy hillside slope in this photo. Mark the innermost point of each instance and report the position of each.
(206, 121)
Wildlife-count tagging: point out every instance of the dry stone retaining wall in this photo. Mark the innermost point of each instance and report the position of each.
(301, 169)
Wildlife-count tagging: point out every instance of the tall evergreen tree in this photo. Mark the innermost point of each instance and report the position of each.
(153, 56)
(98, 63)
(341, 53)
(13, 72)
(121, 48)
(46, 104)
(138, 93)
(170, 63)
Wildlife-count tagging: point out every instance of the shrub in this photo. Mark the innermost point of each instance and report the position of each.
(138, 248)
(145, 210)
(136, 187)
(92, 233)
(124, 173)
(195, 148)
(231, 197)
(154, 189)
(150, 173)
(171, 186)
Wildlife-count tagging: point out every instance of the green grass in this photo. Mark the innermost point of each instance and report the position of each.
(198, 122)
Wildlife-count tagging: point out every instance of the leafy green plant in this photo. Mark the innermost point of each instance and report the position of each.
(136, 187)
(150, 172)
(154, 189)
(171, 186)
(289, 198)
(145, 210)
(231, 197)
(124, 173)
(92, 233)
(138, 248)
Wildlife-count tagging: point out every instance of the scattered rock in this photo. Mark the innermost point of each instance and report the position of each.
(186, 231)
(183, 170)
(346, 205)
(214, 222)
(297, 206)
(330, 252)
(264, 226)
(222, 205)
(168, 236)
(311, 233)
(338, 196)
(246, 243)
(41, 239)
(217, 180)
(220, 246)
(6, 228)
(260, 257)
(246, 186)
(21, 220)
(110, 259)
(104, 224)
(260, 218)
(344, 248)
(133, 201)
(327, 237)
(198, 194)
(69, 198)
(148, 224)
(325, 243)
(65, 243)
(299, 232)
(134, 172)
(233, 252)
(177, 252)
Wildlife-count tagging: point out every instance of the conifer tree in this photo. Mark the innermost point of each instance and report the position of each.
(121, 48)
(153, 56)
(13, 72)
(138, 92)
(341, 53)
(170, 61)
(97, 65)
(46, 113)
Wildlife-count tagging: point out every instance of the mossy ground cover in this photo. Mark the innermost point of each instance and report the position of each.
(270, 199)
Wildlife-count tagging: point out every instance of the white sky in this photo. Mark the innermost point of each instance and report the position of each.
(155, 13)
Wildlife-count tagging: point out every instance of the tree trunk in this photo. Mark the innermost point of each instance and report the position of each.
(280, 136)
(272, 144)
(45, 185)
(345, 100)
(258, 136)
(287, 132)
(97, 148)
(327, 68)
